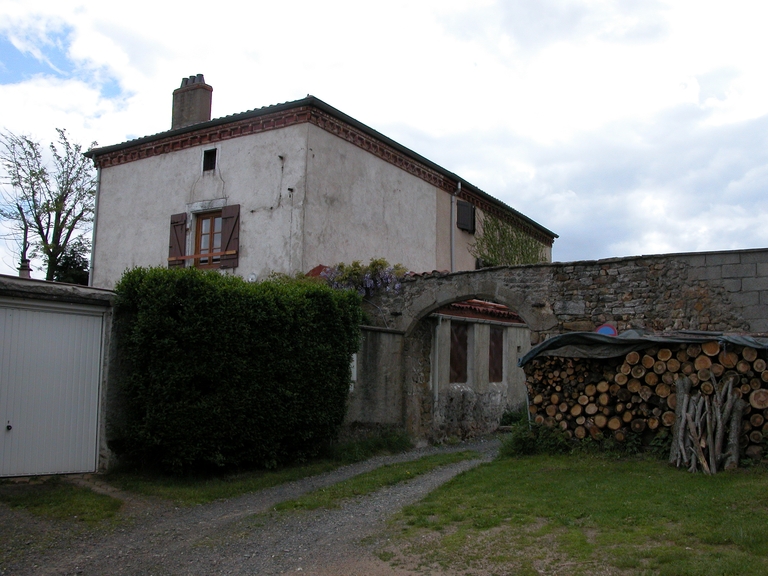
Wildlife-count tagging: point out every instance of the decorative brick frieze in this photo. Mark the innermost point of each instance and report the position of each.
(203, 136)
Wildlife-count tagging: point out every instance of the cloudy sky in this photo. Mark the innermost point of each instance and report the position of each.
(625, 127)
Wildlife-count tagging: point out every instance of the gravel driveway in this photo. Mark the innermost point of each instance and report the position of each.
(237, 536)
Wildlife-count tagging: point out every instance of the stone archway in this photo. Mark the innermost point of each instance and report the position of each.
(434, 405)
(525, 289)
(698, 291)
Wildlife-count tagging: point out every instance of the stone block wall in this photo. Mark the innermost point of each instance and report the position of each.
(713, 291)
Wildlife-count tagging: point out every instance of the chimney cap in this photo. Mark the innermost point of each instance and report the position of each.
(198, 79)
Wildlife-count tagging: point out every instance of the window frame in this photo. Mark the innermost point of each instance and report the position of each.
(200, 218)
(210, 160)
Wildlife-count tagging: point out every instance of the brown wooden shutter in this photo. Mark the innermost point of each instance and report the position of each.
(230, 238)
(178, 243)
(496, 355)
(459, 332)
(465, 216)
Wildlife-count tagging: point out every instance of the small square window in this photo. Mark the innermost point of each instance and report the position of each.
(209, 160)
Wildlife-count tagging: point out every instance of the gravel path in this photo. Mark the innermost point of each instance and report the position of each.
(237, 536)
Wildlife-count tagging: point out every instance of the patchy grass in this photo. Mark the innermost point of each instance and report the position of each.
(60, 501)
(191, 490)
(371, 481)
(590, 515)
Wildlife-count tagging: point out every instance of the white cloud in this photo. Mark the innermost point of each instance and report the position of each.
(625, 127)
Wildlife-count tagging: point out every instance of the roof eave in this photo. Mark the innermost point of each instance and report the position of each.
(312, 101)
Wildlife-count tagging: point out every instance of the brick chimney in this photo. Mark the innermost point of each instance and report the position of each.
(191, 102)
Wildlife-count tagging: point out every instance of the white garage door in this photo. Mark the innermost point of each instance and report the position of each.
(50, 366)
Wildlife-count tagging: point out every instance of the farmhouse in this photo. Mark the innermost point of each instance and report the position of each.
(282, 188)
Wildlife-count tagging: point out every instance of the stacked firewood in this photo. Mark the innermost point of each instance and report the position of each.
(589, 397)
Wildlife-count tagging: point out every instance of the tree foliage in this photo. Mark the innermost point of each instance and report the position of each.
(49, 206)
(73, 265)
(501, 244)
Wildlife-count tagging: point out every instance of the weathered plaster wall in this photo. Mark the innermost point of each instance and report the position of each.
(360, 207)
(463, 259)
(307, 197)
(719, 291)
(376, 394)
(475, 406)
(264, 173)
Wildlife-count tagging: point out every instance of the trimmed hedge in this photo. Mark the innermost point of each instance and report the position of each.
(220, 372)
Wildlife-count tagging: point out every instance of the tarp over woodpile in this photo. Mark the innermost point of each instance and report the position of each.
(593, 345)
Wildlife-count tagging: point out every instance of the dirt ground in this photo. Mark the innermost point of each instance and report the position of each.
(237, 536)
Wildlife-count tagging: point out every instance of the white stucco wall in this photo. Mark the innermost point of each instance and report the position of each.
(306, 197)
(517, 342)
(360, 207)
(264, 173)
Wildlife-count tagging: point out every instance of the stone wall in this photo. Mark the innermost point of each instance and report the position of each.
(712, 291)
(376, 393)
(715, 291)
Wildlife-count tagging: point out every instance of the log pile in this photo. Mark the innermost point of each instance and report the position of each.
(701, 421)
(637, 393)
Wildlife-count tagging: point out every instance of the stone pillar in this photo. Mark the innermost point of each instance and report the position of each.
(517, 343)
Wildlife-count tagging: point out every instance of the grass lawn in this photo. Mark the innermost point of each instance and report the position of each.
(60, 501)
(588, 515)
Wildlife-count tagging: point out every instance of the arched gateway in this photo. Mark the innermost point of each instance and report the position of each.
(401, 377)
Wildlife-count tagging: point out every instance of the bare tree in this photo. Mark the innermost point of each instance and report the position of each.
(49, 208)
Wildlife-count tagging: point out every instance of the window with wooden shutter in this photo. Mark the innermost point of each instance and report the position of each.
(459, 345)
(496, 355)
(230, 244)
(178, 242)
(465, 216)
(208, 240)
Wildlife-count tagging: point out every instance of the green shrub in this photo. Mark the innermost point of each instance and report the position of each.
(220, 372)
(525, 440)
(536, 439)
(661, 445)
(511, 417)
(609, 446)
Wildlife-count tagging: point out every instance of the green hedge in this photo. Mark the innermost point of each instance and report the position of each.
(217, 371)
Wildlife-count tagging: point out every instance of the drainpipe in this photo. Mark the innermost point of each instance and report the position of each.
(95, 222)
(453, 226)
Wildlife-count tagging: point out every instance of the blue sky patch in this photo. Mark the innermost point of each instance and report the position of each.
(17, 66)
